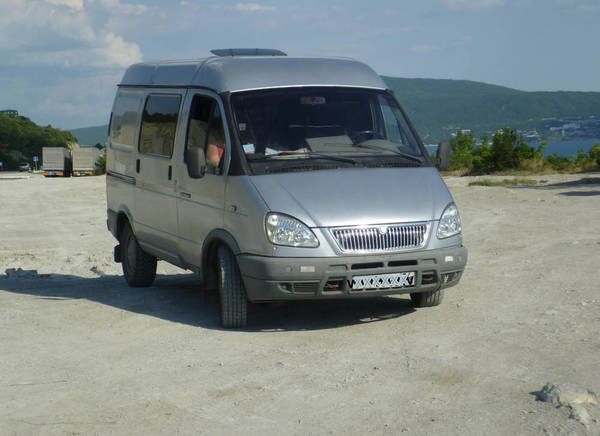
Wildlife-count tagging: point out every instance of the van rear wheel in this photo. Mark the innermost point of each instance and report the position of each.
(139, 267)
(234, 304)
(427, 299)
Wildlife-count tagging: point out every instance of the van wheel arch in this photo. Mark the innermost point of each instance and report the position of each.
(213, 241)
(122, 220)
(139, 267)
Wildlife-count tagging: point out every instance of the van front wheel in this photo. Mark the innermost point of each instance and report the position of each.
(234, 304)
(139, 267)
(427, 299)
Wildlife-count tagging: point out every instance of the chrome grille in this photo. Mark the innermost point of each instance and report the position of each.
(378, 238)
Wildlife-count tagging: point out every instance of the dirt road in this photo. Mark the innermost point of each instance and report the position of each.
(81, 353)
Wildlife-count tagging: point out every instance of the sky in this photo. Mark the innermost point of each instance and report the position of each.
(60, 60)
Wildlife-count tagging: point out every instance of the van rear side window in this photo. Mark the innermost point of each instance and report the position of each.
(159, 123)
(125, 120)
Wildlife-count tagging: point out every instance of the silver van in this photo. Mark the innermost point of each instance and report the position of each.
(276, 178)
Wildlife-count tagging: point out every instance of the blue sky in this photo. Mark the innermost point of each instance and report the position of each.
(61, 59)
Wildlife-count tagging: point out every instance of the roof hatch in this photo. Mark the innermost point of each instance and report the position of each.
(247, 52)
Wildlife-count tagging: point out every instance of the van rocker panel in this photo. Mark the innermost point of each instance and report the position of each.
(285, 278)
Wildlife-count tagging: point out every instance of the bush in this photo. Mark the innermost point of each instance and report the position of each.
(509, 152)
(462, 146)
(505, 182)
(559, 163)
(101, 165)
(482, 158)
(594, 153)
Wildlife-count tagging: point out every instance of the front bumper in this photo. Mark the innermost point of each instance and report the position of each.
(286, 278)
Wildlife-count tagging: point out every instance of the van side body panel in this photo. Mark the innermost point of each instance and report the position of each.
(121, 151)
(244, 216)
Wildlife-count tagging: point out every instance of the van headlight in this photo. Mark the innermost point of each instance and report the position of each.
(449, 224)
(285, 230)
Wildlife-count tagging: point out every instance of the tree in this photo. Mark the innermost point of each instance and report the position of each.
(506, 149)
(594, 153)
(23, 135)
(462, 148)
(482, 157)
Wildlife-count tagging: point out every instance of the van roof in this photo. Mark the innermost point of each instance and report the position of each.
(237, 73)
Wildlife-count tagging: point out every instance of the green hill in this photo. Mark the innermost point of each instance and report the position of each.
(21, 139)
(439, 107)
(91, 135)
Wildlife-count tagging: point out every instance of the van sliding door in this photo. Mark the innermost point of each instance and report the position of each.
(155, 198)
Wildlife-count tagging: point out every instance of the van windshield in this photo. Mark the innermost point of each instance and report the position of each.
(335, 126)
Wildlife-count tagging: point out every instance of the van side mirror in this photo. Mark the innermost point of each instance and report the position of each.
(442, 159)
(196, 162)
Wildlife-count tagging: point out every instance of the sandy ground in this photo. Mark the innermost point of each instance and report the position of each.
(81, 353)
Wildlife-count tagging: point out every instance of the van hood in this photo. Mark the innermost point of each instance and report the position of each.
(361, 196)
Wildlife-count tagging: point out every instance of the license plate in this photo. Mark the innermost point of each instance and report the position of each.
(384, 281)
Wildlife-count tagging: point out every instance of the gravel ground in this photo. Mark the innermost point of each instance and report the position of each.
(81, 353)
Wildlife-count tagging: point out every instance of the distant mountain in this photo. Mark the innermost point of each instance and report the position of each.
(440, 107)
(91, 135)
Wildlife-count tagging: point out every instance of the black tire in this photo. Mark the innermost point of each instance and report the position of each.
(234, 304)
(427, 299)
(139, 267)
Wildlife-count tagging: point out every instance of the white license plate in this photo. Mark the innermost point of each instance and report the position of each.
(384, 281)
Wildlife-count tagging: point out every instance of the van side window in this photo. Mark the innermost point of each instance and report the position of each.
(395, 124)
(125, 119)
(205, 130)
(159, 122)
(391, 125)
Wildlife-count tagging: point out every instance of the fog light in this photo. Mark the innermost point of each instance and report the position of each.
(428, 278)
(286, 287)
(334, 285)
(449, 277)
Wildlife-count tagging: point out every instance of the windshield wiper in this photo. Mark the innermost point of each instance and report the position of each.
(309, 154)
(399, 153)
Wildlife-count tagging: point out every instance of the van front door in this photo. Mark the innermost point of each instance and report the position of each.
(201, 200)
(155, 194)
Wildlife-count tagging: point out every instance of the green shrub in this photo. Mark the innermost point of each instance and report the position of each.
(505, 182)
(594, 153)
(462, 146)
(101, 165)
(508, 151)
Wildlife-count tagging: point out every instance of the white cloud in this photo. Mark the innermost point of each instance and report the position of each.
(118, 52)
(424, 48)
(473, 4)
(115, 6)
(66, 33)
(252, 7)
(73, 4)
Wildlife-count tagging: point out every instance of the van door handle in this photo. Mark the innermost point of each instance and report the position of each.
(170, 172)
(186, 194)
(137, 165)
